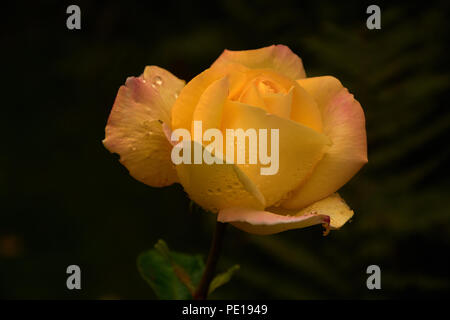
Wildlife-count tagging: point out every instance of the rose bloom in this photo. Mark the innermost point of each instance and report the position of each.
(322, 138)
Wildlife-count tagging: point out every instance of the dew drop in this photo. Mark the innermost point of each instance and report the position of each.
(157, 81)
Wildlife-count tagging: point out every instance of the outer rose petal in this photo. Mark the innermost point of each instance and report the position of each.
(332, 211)
(300, 149)
(218, 186)
(277, 57)
(304, 108)
(134, 126)
(345, 125)
(168, 87)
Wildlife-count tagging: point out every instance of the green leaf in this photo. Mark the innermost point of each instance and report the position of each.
(172, 275)
(222, 278)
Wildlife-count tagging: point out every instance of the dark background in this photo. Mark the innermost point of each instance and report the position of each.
(64, 199)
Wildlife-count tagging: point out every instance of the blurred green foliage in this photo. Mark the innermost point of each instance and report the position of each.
(66, 200)
(171, 275)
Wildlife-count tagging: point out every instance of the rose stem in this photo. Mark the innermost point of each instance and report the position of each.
(214, 252)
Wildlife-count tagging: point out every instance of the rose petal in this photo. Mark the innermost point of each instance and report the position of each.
(322, 89)
(331, 211)
(277, 57)
(305, 110)
(300, 148)
(345, 125)
(279, 104)
(184, 107)
(134, 126)
(210, 105)
(168, 87)
(217, 186)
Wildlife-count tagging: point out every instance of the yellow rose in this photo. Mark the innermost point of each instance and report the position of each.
(322, 138)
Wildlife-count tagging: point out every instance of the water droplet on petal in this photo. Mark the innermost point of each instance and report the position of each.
(157, 81)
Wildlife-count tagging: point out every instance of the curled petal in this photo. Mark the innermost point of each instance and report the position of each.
(344, 124)
(299, 149)
(134, 128)
(210, 106)
(277, 57)
(184, 107)
(331, 211)
(167, 85)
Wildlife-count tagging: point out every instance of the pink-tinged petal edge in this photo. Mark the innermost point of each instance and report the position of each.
(277, 57)
(332, 212)
(264, 222)
(344, 123)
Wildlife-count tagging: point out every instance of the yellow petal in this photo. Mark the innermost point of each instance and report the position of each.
(277, 57)
(279, 104)
(300, 148)
(322, 89)
(251, 96)
(331, 211)
(305, 110)
(218, 186)
(134, 129)
(210, 106)
(269, 81)
(344, 124)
